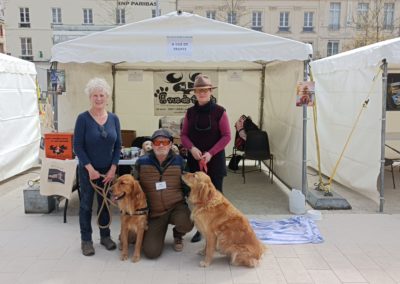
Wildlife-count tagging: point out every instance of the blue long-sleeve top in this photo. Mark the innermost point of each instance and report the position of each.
(96, 144)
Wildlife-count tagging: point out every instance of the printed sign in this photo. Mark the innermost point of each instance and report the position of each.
(179, 45)
(172, 94)
(305, 94)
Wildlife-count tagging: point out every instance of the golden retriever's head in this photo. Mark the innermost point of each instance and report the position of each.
(202, 189)
(125, 186)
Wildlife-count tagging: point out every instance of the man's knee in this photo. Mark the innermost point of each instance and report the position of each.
(152, 252)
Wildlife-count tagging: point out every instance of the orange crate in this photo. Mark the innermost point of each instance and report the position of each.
(58, 145)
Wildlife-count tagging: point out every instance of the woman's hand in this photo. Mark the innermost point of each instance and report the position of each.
(196, 153)
(206, 157)
(110, 175)
(93, 174)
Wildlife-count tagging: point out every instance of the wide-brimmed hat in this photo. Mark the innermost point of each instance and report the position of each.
(201, 82)
(161, 133)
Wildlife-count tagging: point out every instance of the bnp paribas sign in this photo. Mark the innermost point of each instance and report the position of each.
(137, 3)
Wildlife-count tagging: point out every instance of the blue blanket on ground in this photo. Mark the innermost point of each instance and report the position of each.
(294, 230)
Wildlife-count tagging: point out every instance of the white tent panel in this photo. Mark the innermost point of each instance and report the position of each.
(150, 41)
(19, 116)
(283, 120)
(343, 82)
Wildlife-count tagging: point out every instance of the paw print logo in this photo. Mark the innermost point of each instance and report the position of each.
(161, 94)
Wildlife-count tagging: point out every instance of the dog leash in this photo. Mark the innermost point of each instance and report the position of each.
(103, 192)
(203, 165)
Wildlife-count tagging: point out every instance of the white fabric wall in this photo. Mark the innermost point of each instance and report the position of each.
(19, 119)
(340, 95)
(283, 120)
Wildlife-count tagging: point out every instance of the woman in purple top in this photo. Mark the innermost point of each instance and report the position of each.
(97, 143)
(206, 133)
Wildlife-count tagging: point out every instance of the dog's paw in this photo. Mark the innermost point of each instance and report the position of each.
(124, 256)
(202, 252)
(204, 263)
(136, 258)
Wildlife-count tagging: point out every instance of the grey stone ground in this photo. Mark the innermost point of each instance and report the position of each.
(361, 245)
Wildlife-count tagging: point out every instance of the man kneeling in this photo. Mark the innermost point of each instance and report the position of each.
(159, 174)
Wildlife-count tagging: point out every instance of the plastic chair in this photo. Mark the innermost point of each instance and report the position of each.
(257, 149)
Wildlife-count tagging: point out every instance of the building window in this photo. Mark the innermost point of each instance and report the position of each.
(1, 31)
(332, 48)
(284, 21)
(56, 13)
(210, 14)
(232, 18)
(334, 16)
(24, 18)
(362, 14)
(26, 48)
(256, 21)
(308, 22)
(388, 16)
(87, 16)
(120, 13)
(154, 13)
(1, 48)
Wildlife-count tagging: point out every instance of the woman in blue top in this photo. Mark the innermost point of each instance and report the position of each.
(97, 143)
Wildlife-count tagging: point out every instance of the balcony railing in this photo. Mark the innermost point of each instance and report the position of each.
(258, 28)
(283, 29)
(308, 29)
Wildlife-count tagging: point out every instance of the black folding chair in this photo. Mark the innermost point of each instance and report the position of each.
(257, 149)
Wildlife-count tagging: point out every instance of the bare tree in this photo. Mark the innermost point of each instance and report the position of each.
(373, 22)
(232, 11)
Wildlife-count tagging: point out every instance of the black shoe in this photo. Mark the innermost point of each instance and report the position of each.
(196, 238)
(108, 243)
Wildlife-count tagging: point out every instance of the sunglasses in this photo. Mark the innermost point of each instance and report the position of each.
(103, 131)
(161, 142)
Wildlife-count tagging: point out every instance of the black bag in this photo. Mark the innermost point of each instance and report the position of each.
(234, 162)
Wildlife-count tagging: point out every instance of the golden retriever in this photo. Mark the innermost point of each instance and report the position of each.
(224, 227)
(132, 203)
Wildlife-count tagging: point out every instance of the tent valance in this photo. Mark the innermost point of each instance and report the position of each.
(203, 40)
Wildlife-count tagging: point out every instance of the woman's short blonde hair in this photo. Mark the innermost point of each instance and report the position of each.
(97, 84)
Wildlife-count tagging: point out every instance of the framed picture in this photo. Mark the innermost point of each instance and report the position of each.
(305, 93)
(56, 81)
(393, 92)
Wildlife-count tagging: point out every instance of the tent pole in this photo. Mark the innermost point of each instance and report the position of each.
(304, 183)
(262, 96)
(113, 88)
(383, 134)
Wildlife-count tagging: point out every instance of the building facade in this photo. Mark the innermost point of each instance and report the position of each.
(331, 26)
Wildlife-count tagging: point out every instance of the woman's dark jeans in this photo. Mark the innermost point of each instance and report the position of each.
(86, 204)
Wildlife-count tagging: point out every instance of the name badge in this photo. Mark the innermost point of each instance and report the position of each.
(161, 185)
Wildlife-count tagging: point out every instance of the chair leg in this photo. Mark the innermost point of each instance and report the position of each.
(394, 185)
(271, 169)
(243, 170)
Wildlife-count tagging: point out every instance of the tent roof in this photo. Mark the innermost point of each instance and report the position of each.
(359, 58)
(10, 64)
(151, 41)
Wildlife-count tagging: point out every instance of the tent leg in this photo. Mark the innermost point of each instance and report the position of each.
(383, 134)
(304, 183)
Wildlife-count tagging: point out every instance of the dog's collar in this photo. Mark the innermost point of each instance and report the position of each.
(141, 211)
(120, 197)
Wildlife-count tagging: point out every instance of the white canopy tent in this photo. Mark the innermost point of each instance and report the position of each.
(19, 116)
(342, 83)
(271, 68)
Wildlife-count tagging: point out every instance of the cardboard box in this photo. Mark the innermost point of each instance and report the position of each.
(36, 203)
(127, 137)
(58, 145)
